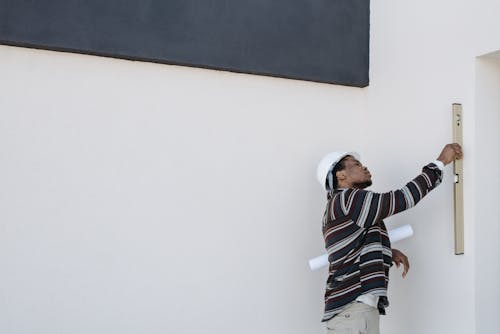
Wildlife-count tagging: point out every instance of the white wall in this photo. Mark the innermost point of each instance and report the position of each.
(423, 60)
(140, 197)
(173, 199)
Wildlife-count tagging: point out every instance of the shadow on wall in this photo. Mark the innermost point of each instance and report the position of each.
(487, 216)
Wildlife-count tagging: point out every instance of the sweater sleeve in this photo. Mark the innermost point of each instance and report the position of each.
(366, 208)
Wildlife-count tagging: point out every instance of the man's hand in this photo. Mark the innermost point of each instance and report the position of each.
(399, 258)
(450, 153)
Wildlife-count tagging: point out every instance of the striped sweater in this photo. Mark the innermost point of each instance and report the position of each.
(356, 239)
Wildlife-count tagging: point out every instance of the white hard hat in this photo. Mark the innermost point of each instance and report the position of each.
(328, 163)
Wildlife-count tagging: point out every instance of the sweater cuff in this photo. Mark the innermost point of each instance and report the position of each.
(439, 164)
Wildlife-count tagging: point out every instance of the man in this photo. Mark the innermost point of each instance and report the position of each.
(359, 250)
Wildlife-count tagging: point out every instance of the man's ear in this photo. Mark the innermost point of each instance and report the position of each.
(340, 175)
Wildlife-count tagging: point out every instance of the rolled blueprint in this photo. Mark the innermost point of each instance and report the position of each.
(395, 235)
(400, 233)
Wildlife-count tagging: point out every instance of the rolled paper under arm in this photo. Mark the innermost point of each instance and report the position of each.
(400, 233)
(395, 235)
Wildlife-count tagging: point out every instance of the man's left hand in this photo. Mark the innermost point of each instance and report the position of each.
(399, 258)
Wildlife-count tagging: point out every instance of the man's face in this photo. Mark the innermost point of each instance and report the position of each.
(355, 175)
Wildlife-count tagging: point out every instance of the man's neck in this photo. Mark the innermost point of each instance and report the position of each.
(353, 186)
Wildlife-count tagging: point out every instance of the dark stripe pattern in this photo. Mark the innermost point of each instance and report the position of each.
(356, 239)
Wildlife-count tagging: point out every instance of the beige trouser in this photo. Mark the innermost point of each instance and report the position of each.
(356, 318)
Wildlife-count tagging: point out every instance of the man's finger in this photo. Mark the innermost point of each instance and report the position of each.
(406, 267)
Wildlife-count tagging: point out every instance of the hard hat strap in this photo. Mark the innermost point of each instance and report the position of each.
(330, 180)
